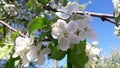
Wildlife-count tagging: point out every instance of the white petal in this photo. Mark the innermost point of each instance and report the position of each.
(92, 35)
(92, 58)
(32, 54)
(63, 43)
(41, 60)
(72, 7)
(87, 19)
(61, 24)
(62, 15)
(56, 32)
(45, 51)
(25, 61)
(81, 24)
(15, 55)
(74, 39)
(72, 26)
(88, 46)
(95, 51)
(82, 35)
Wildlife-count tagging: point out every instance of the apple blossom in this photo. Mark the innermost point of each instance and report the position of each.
(85, 28)
(65, 33)
(116, 4)
(66, 12)
(22, 45)
(21, 48)
(36, 54)
(117, 31)
(92, 52)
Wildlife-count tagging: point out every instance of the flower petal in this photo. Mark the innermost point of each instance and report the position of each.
(72, 7)
(25, 61)
(74, 39)
(63, 43)
(95, 51)
(72, 26)
(82, 35)
(41, 60)
(55, 32)
(61, 24)
(45, 51)
(32, 54)
(62, 15)
(87, 19)
(92, 35)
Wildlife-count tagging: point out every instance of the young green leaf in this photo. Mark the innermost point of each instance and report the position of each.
(37, 23)
(78, 59)
(4, 51)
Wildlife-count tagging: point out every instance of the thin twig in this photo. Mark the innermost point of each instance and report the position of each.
(95, 14)
(11, 28)
(100, 15)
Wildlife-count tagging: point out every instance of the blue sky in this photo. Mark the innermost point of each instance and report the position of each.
(105, 29)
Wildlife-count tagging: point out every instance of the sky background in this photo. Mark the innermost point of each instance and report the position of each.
(104, 30)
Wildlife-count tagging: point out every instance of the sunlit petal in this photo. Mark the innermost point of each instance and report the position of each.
(72, 26)
(62, 15)
(95, 51)
(74, 39)
(32, 54)
(25, 61)
(41, 60)
(61, 24)
(63, 43)
(45, 51)
(55, 32)
(92, 35)
(72, 7)
(82, 35)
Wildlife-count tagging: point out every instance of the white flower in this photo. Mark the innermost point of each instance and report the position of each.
(82, 23)
(92, 52)
(21, 48)
(95, 43)
(87, 32)
(116, 4)
(22, 45)
(66, 12)
(85, 29)
(65, 33)
(117, 31)
(36, 54)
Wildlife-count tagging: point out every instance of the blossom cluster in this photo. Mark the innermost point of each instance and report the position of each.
(29, 52)
(117, 31)
(92, 52)
(116, 4)
(75, 30)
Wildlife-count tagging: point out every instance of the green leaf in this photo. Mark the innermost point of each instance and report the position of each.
(117, 19)
(4, 51)
(30, 4)
(78, 59)
(44, 2)
(12, 62)
(14, 35)
(56, 53)
(64, 2)
(37, 23)
(1, 30)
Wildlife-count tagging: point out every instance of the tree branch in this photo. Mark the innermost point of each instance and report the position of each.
(100, 15)
(11, 28)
